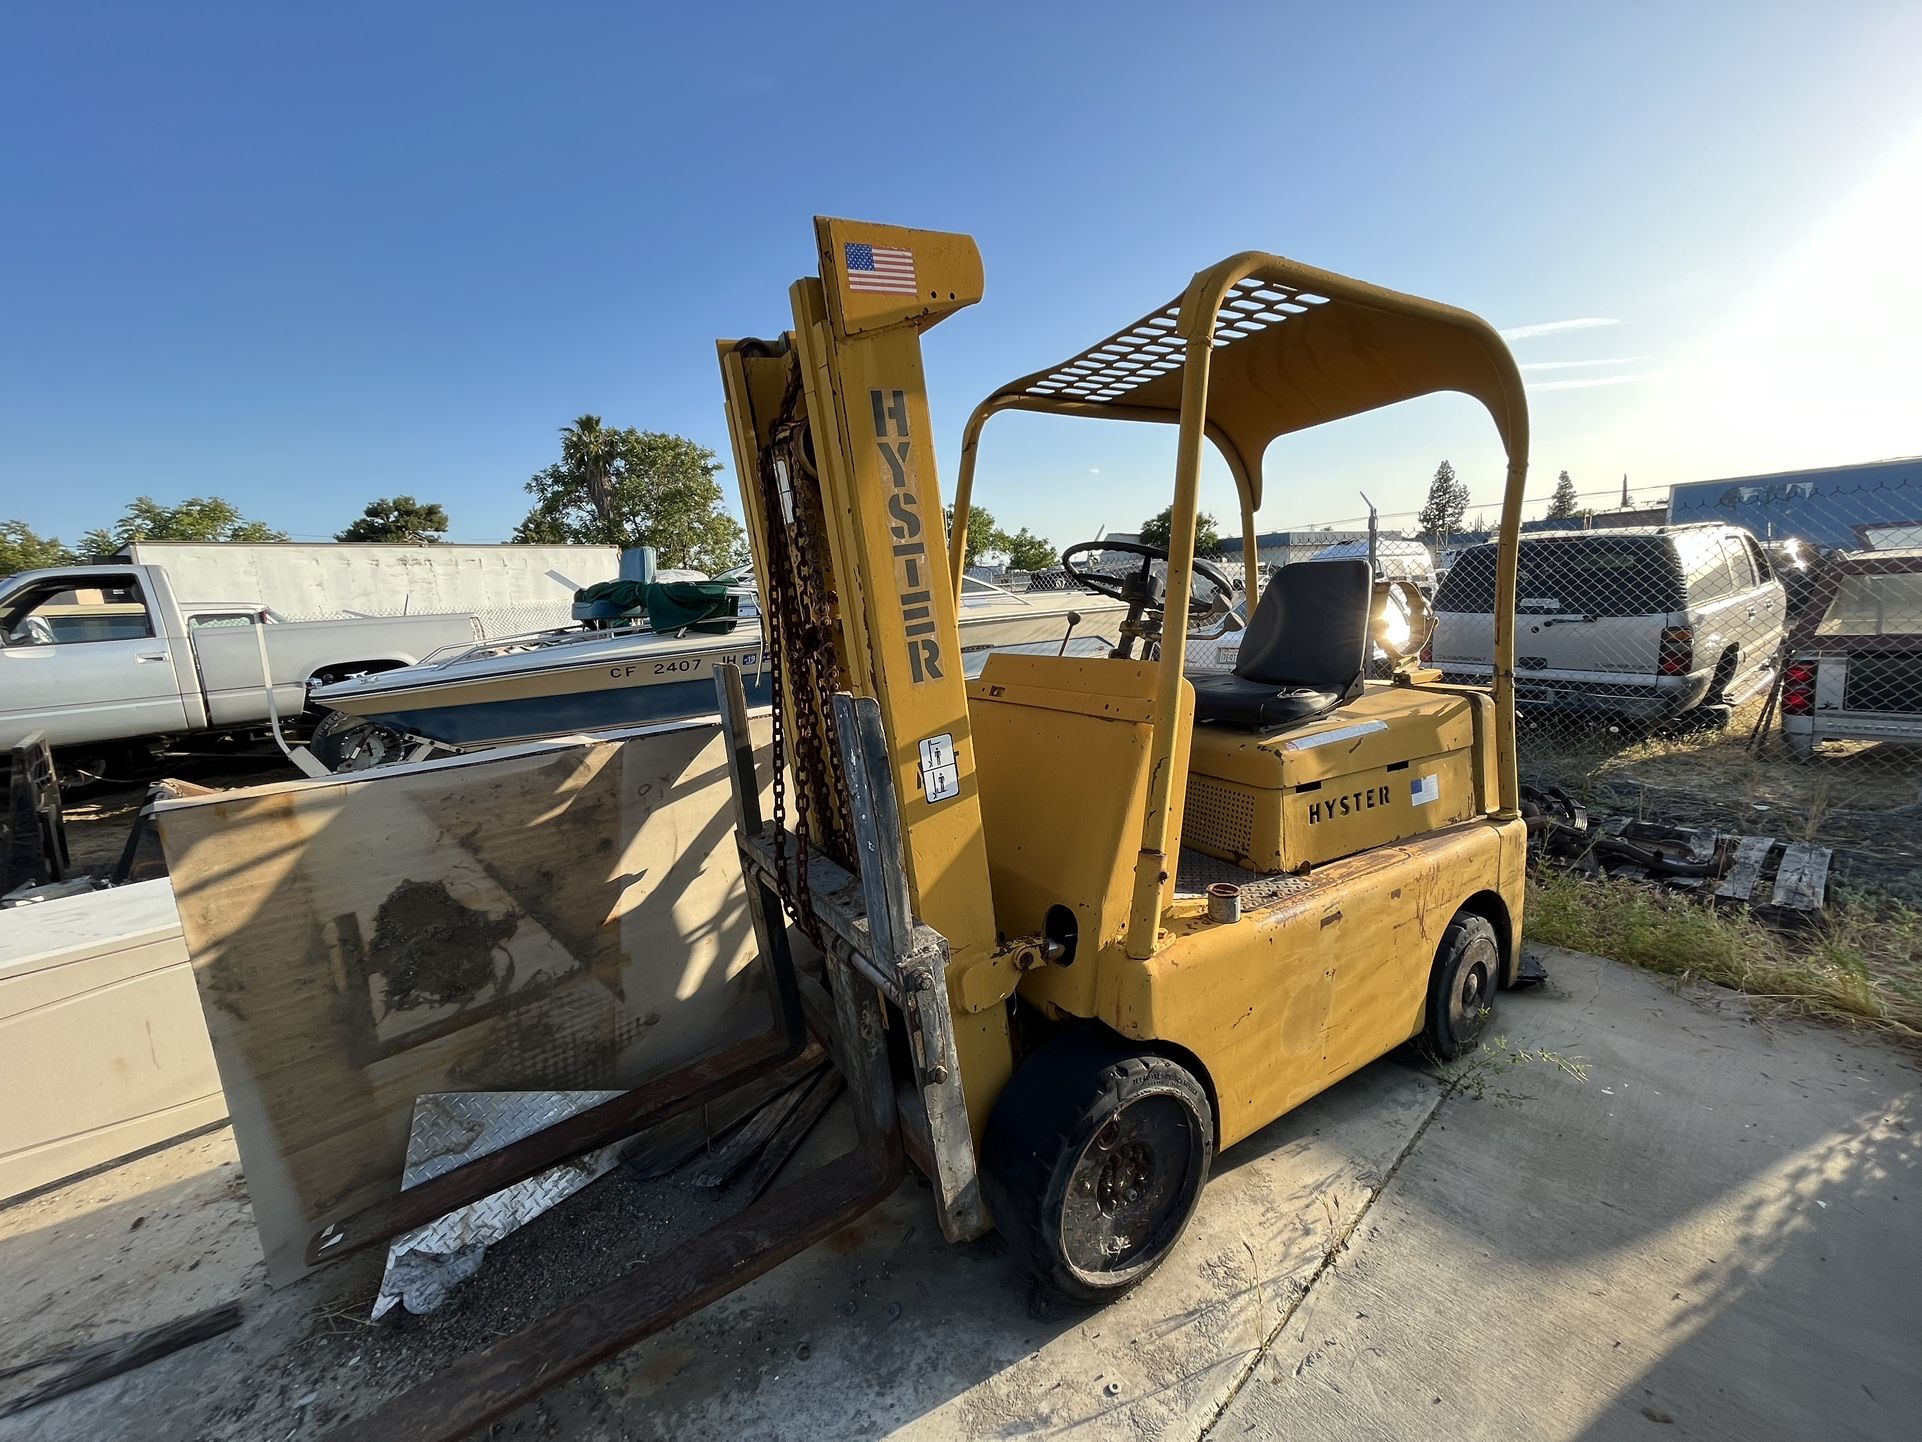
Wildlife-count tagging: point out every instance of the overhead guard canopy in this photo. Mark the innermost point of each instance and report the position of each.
(1287, 347)
(1294, 346)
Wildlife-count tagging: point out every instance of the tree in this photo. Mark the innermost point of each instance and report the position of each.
(592, 452)
(22, 550)
(1562, 504)
(660, 491)
(1447, 504)
(1156, 530)
(198, 518)
(1027, 551)
(984, 536)
(403, 520)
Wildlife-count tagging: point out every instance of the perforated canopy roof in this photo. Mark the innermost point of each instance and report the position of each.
(1293, 347)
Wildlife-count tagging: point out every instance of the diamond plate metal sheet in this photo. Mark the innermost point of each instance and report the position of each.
(1195, 873)
(452, 1128)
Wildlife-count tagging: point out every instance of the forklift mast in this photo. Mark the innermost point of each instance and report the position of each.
(834, 447)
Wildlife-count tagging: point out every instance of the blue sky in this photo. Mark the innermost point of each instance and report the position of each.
(302, 257)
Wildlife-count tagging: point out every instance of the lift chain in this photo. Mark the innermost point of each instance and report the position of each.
(800, 628)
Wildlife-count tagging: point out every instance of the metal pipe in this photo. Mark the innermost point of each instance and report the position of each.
(1153, 862)
(1250, 552)
(1508, 778)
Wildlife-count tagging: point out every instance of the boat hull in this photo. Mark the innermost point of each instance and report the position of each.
(562, 692)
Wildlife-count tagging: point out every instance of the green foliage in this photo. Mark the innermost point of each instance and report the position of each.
(1156, 530)
(653, 489)
(23, 550)
(198, 518)
(1022, 549)
(591, 451)
(1447, 504)
(984, 536)
(1029, 552)
(1562, 505)
(402, 519)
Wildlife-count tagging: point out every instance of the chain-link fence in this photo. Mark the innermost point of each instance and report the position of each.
(1760, 677)
(1754, 666)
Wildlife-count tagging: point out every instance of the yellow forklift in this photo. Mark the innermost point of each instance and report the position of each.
(1169, 907)
(1078, 921)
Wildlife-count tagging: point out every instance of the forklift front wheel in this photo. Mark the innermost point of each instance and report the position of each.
(1094, 1160)
(1461, 990)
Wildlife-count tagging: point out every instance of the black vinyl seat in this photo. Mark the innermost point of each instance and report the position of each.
(1304, 653)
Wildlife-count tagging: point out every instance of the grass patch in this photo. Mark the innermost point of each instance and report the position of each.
(1860, 964)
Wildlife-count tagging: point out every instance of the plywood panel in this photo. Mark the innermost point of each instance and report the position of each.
(564, 915)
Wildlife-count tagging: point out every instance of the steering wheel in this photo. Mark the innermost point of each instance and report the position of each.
(1140, 586)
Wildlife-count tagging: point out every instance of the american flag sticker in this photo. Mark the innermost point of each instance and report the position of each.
(883, 268)
(1425, 790)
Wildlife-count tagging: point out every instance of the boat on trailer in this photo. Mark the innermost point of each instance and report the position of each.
(553, 683)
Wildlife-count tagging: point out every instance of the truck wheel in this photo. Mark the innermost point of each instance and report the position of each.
(1715, 711)
(1093, 1162)
(1462, 986)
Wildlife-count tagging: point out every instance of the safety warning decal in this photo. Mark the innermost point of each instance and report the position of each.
(940, 776)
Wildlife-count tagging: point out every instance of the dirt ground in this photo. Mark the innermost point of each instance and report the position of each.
(100, 814)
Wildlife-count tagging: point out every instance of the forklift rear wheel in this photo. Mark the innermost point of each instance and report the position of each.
(1461, 989)
(1094, 1160)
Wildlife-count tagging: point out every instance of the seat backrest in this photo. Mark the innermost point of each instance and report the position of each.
(1311, 627)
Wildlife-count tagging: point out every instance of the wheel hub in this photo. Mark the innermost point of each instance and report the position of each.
(1123, 1177)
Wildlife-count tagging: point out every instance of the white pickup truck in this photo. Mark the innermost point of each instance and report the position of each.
(97, 655)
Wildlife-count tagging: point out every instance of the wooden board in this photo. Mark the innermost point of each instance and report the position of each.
(1746, 867)
(559, 916)
(1802, 878)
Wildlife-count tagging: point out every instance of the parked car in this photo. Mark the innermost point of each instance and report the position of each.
(159, 641)
(1641, 625)
(109, 656)
(1857, 676)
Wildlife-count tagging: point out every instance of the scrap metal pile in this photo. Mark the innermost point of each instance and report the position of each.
(1758, 871)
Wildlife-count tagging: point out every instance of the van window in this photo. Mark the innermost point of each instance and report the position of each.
(1740, 568)
(61, 613)
(1758, 558)
(1593, 575)
(1705, 565)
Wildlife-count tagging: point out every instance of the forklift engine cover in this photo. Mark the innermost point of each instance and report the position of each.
(1395, 762)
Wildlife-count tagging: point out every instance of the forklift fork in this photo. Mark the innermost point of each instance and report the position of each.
(874, 951)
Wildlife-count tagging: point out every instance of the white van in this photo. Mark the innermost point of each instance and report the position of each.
(1397, 558)
(1642, 624)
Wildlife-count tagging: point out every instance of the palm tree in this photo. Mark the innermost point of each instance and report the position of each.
(590, 450)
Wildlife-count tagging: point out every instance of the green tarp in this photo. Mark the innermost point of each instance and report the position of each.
(670, 605)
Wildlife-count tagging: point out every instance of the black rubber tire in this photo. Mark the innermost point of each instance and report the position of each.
(1714, 711)
(1461, 987)
(1089, 1113)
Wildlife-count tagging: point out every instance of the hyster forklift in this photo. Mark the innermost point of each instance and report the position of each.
(1078, 921)
(1168, 908)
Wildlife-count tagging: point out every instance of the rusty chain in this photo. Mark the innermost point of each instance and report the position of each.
(799, 625)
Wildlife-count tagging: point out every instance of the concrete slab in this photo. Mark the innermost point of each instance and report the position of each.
(889, 1331)
(1713, 1236)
